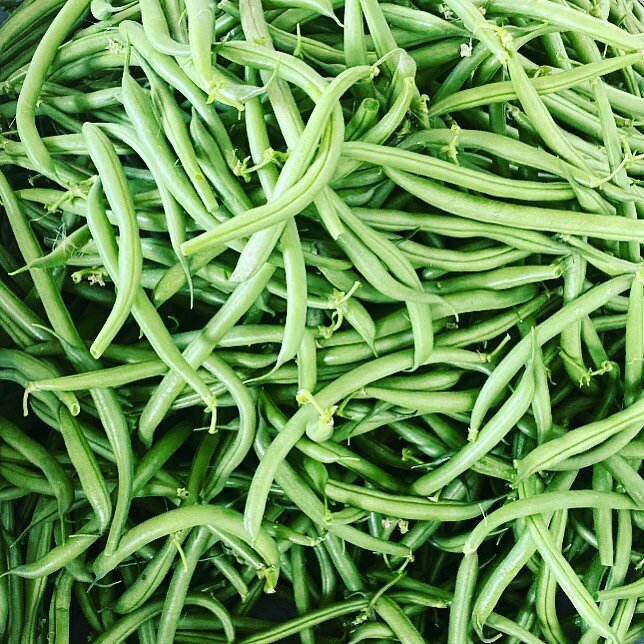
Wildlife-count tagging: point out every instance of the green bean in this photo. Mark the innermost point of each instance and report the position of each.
(154, 23)
(460, 607)
(545, 503)
(247, 420)
(196, 543)
(41, 60)
(224, 565)
(262, 242)
(355, 53)
(515, 151)
(403, 507)
(520, 217)
(200, 37)
(201, 347)
(576, 441)
(186, 517)
(5, 597)
(397, 620)
(300, 591)
(621, 592)
(16, 594)
(633, 371)
(603, 518)
(627, 476)
(546, 587)
(568, 18)
(87, 468)
(482, 442)
(109, 377)
(419, 313)
(177, 133)
(443, 171)
(565, 575)
(144, 586)
(139, 108)
(30, 368)
(503, 91)
(619, 569)
(295, 428)
(127, 625)
(57, 557)
(129, 259)
(346, 607)
(142, 309)
(579, 308)
(59, 610)
(38, 544)
(36, 454)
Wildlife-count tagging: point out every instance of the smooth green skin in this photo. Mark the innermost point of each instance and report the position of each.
(57, 557)
(108, 377)
(200, 36)
(38, 544)
(198, 350)
(399, 623)
(577, 441)
(440, 170)
(238, 450)
(404, 507)
(143, 310)
(130, 260)
(545, 503)
(618, 571)
(634, 350)
(87, 468)
(603, 517)
(585, 304)
(460, 608)
(568, 18)
(32, 368)
(531, 103)
(59, 609)
(295, 625)
(545, 603)
(196, 544)
(31, 87)
(128, 624)
(621, 592)
(181, 519)
(482, 442)
(139, 107)
(518, 152)
(111, 414)
(13, 309)
(177, 132)
(503, 91)
(518, 217)
(561, 570)
(36, 454)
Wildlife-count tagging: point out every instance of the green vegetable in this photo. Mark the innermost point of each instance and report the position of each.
(336, 301)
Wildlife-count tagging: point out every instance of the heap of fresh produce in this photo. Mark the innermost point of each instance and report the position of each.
(339, 302)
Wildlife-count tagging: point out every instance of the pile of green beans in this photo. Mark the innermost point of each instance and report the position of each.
(321, 321)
